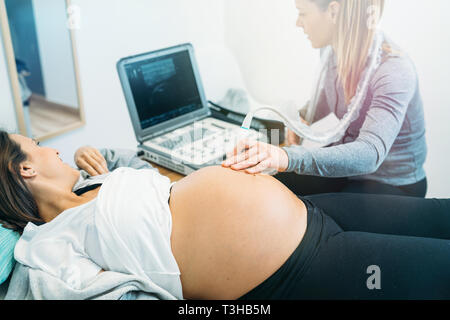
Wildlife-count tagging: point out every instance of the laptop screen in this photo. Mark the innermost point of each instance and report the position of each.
(163, 88)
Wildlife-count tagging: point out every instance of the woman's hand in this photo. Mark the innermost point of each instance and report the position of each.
(292, 137)
(91, 160)
(255, 157)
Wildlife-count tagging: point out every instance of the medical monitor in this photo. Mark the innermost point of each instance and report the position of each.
(162, 89)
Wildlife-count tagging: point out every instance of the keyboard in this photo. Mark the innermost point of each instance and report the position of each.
(201, 142)
(190, 137)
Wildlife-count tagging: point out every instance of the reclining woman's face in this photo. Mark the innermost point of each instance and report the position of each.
(44, 163)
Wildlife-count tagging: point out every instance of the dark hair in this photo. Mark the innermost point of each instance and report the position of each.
(17, 204)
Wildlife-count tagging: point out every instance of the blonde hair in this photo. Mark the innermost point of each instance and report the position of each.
(356, 24)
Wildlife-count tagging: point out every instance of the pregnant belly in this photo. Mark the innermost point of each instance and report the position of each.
(232, 230)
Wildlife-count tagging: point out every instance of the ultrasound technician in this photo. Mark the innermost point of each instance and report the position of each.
(382, 148)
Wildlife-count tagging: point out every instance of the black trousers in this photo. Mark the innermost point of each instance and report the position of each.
(307, 185)
(364, 246)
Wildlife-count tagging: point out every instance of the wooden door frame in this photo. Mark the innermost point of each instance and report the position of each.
(14, 77)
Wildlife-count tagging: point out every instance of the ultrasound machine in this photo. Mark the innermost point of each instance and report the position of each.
(171, 118)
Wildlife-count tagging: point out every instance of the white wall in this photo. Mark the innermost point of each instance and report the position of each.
(278, 63)
(7, 111)
(276, 60)
(424, 32)
(111, 30)
(56, 52)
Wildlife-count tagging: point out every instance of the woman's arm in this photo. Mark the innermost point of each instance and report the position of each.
(116, 158)
(393, 87)
(96, 162)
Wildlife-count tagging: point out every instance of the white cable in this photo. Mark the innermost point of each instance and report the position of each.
(290, 114)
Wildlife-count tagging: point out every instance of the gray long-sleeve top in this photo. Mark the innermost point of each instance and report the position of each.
(386, 143)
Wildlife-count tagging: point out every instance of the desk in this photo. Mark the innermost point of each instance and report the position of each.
(172, 175)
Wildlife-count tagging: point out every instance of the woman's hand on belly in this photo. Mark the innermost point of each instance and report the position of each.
(232, 230)
(255, 157)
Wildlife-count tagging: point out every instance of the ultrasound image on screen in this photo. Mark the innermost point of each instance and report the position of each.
(163, 88)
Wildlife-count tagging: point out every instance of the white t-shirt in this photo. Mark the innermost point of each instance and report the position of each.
(125, 229)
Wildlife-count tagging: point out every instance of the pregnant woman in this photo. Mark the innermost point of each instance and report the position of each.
(218, 233)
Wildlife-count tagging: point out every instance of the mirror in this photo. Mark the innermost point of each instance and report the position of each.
(39, 45)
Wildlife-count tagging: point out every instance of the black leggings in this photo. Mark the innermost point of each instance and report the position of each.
(307, 185)
(406, 238)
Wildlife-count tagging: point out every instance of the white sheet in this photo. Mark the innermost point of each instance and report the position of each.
(134, 225)
(126, 229)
